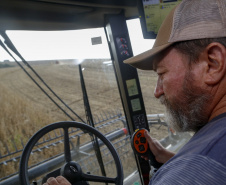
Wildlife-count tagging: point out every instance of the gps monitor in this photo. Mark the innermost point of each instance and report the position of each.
(152, 13)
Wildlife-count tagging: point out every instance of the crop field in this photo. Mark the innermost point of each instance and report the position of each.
(24, 108)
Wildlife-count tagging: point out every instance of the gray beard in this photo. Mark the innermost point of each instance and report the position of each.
(187, 113)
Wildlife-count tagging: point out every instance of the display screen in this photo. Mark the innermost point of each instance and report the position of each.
(152, 13)
(135, 104)
(132, 87)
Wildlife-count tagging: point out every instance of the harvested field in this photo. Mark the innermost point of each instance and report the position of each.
(25, 109)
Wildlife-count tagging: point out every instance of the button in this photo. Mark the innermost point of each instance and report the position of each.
(138, 135)
(143, 140)
(141, 148)
(137, 142)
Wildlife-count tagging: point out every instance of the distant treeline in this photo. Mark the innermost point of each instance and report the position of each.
(4, 65)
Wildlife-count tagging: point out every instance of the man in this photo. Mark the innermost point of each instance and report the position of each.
(189, 56)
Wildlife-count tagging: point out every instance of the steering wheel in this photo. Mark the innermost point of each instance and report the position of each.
(71, 170)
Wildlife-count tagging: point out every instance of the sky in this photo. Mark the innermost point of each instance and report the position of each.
(48, 45)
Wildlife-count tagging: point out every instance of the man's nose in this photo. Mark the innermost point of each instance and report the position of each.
(158, 89)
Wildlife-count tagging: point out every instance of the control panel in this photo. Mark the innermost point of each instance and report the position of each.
(128, 83)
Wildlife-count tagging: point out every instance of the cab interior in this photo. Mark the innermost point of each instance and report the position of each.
(59, 65)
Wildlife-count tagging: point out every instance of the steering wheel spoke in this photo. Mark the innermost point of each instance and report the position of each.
(95, 178)
(67, 150)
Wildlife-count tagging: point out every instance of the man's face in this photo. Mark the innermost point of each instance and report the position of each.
(179, 90)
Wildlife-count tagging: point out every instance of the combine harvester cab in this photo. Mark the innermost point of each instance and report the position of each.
(68, 102)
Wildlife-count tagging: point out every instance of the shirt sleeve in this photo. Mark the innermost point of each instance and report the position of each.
(190, 169)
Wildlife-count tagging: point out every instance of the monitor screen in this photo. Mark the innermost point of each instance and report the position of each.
(152, 13)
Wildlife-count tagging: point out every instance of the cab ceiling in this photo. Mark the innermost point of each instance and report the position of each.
(61, 14)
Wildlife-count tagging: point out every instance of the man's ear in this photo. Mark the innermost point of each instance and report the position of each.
(216, 63)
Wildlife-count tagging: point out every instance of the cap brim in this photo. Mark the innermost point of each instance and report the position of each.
(144, 60)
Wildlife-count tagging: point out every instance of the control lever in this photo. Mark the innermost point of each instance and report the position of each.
(141, 147)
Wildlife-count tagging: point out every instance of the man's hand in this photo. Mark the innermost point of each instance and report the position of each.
(60, 180)
(161, 154)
